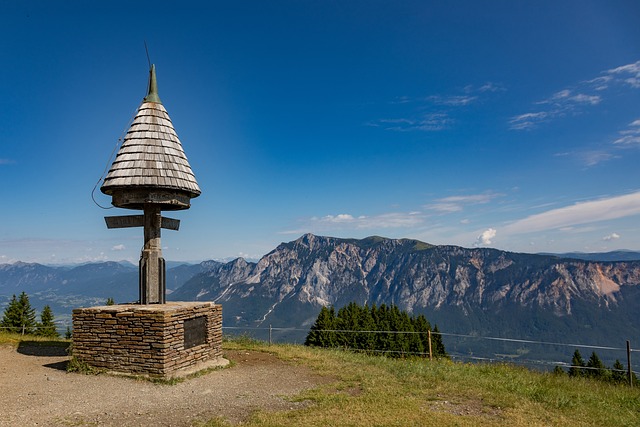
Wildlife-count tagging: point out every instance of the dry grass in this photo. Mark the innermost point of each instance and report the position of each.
(14, 340)
(376, 391)
(371, 390)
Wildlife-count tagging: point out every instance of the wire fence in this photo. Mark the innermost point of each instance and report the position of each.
(266, 334)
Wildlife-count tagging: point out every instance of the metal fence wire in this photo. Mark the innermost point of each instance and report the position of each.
(459, 356)
(267, 332)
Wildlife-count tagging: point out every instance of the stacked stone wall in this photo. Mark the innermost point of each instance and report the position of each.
(147, 339)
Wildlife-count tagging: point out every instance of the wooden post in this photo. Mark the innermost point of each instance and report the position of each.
(152, 264)
(269, 333)
(629, 371)
(430, 353)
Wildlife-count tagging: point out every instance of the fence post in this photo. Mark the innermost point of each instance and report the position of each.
(430, 353)
(269, 333)
(629, 371)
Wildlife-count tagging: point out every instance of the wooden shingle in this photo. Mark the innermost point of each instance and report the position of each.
(151, 156)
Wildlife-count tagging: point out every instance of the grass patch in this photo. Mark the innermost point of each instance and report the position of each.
(78, 366)
(14, 340)
(374, 390)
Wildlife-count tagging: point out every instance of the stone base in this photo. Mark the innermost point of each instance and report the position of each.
(159, 340)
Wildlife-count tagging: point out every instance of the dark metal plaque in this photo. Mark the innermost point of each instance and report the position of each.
(195, 331)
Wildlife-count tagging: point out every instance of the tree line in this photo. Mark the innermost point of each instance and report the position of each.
(596, 369)
(377, 329)
(19, 317)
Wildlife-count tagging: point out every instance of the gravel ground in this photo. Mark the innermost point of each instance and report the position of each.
(37, 391)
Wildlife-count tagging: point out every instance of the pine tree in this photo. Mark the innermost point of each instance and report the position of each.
(110, 301)
(19, 317)
(618, 373)
(367, 340)
(400, 334)
(322, 332)
(383, 339)
(47, 327)
(596, 367)
(577, 365)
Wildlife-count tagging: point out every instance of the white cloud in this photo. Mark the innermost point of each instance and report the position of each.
(490, 87)
(348, 221)
(563, 98)
(528, 120)
(578, 213)
(599, 83)
(630, 136)
(457, 203)
(586, 99)
(337, 219)
(439, 109)
(486, 237)
(563, 94)
(118, 248)
(589, 157)
(452, 100)
(428, 123)
(592, 158)
(6, 260)
(612, 236)
(581, 96)
(559, 104)
(629, 74)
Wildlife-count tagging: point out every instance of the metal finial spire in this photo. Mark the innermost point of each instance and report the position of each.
(152, 96)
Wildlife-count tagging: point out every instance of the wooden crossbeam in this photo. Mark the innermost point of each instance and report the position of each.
(126, 221)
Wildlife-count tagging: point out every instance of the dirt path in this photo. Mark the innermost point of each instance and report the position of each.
(37, 391)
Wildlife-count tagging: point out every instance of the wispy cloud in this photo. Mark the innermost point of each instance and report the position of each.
(577, 99)
(629, 74)
(590, 157)
(565, 99)
(430, 122)
(388, 220)
(629, 136)
(6, 162)
(599, 83)
(362, 222)
(457, 203)
(612, 236)
(118, 247)
(578, 213)
(558, 105)
(433, 113)
(487, 87)
(528, 120)
(453, 100)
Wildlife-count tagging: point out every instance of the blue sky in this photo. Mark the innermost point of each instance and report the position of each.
(506, 124)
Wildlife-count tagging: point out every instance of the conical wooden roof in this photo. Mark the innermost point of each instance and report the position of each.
(151, 160)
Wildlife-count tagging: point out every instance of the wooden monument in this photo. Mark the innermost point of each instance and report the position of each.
(150, 173)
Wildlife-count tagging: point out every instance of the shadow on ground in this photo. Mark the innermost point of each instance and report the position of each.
(43, 348)
(60, 366)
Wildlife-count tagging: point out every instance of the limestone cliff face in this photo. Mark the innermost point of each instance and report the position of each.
(313, 271)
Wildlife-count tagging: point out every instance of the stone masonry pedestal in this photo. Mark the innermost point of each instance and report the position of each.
(157, 340)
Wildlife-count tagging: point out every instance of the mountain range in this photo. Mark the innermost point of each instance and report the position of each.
(473, 292)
